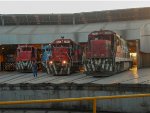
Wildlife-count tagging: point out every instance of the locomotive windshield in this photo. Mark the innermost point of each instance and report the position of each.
(26, 48)
(61, 45)
(101, 35)
(106, 37)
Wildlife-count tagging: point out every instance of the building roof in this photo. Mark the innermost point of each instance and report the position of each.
(76, 18)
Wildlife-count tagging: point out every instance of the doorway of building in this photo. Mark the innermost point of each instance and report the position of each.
(133, 49)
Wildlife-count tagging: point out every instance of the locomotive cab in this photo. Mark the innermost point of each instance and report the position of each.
(99, 45)
(62, 53)
(26, 53)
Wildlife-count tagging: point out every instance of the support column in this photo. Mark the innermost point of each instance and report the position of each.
(2, 19)
(94, 106)
(0, 63)
(138, 53)
(73, 20)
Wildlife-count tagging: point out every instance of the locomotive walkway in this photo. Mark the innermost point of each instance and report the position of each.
(133, 76)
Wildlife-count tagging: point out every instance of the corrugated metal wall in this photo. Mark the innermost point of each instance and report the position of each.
(33, 34)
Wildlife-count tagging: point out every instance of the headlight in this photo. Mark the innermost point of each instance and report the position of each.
(64, 62)
(50, 62)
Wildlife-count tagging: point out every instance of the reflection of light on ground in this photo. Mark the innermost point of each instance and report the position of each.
(134, 71)
(134, 58)
(135, 74)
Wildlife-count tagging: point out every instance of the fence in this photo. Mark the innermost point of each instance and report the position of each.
(93, 99)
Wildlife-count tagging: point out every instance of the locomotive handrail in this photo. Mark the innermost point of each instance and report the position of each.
(93, 99)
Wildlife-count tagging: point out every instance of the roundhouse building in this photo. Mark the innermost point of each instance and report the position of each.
(132, 24)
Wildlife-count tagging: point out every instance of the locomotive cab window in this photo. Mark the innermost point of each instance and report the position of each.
(108, 37)
(26, 49)
(60, 45)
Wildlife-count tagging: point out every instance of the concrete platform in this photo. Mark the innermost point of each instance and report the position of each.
(133, 76)
(23, 86)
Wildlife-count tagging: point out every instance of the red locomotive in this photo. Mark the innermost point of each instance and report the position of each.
(107, 54)
(66, 57)
(25, 55)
